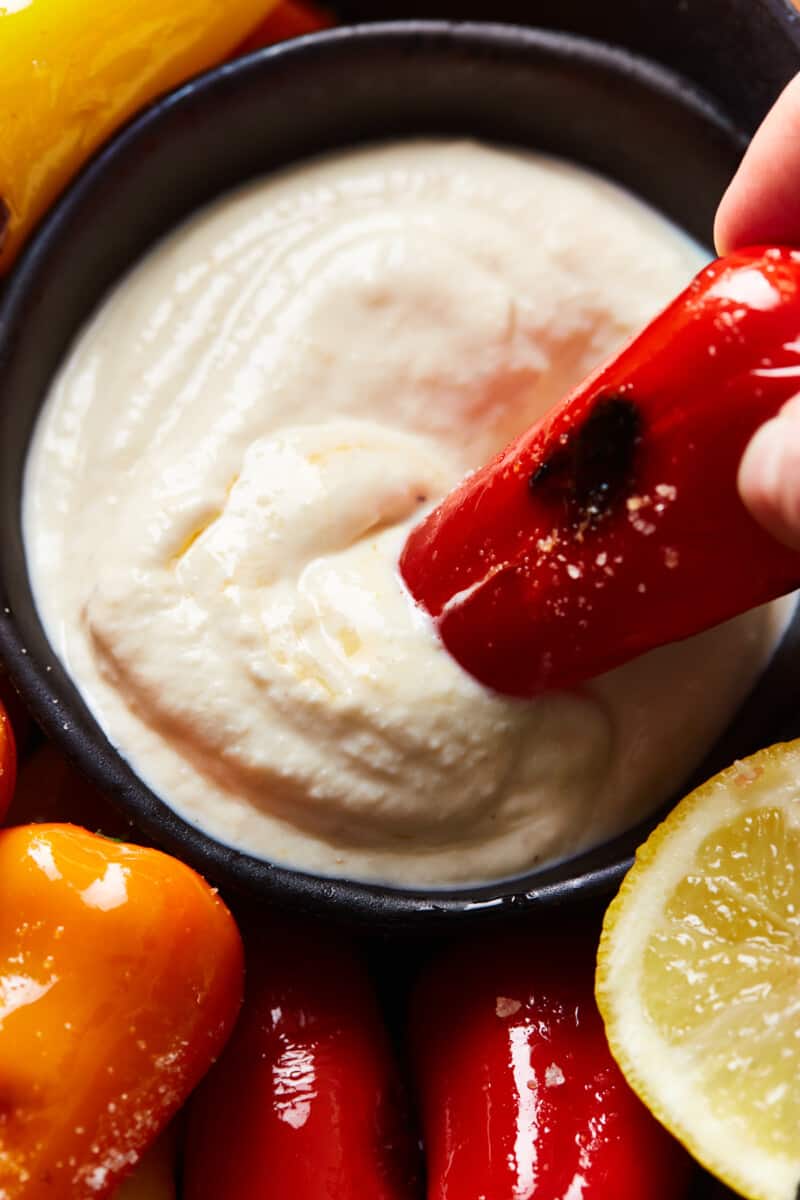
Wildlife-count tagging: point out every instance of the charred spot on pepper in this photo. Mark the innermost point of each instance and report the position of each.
(542, 472)
(594, 466)
(605, 452)
(5, 221)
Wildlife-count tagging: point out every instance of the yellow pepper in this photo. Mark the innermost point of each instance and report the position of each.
(71, 71)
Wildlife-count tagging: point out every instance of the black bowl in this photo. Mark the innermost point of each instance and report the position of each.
(741, 52)
(636, 122)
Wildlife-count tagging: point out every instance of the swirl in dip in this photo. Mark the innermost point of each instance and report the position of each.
(229, 461)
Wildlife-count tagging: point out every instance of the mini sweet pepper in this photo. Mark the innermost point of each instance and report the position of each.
(8, 761)
(291, 19)
(120, 979)
(614, 524)
(71, 71)
(520, 1097)
(306, 1103)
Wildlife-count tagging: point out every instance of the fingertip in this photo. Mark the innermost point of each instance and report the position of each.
(734, 215)
(762, 201)
(769, 477)
(722, 241)
(759, 471)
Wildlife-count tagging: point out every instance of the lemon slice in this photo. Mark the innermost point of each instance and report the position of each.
(698, 975)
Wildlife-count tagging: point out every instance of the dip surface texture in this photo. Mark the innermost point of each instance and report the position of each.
(228, 464)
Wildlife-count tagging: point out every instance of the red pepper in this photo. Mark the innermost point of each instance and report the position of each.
(8, 762)
(614, 524)
(291, 19)
(520, 1097)
(305, 1104)
(21, 724)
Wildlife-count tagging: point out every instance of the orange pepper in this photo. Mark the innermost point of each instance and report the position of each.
(71, 71)
(120, 979)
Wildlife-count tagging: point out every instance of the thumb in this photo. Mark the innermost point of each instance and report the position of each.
(769, 475)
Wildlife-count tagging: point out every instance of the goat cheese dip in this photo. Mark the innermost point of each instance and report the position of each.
(227, 466)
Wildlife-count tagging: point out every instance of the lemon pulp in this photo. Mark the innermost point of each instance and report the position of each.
(699, 974)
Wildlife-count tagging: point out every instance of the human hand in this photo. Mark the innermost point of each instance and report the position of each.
(762, 204)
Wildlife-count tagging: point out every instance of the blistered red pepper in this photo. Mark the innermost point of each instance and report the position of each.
(520, 1097)
(306, 1103)
(614, 524)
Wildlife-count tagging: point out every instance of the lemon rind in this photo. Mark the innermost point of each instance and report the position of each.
(768, 779)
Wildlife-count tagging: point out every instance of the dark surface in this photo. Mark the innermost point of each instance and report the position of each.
(639, 124)
(741, 52)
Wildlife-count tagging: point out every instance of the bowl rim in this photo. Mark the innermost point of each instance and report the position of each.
(421, 909)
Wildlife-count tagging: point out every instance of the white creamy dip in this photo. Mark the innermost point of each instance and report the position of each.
(228, 464)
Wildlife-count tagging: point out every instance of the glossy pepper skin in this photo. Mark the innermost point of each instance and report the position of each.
(291, 19)
(71, 71)
(8, 762)
(305, 1103)
(120, 979)
(614, 524)
(21, 724)
(520, 1097)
